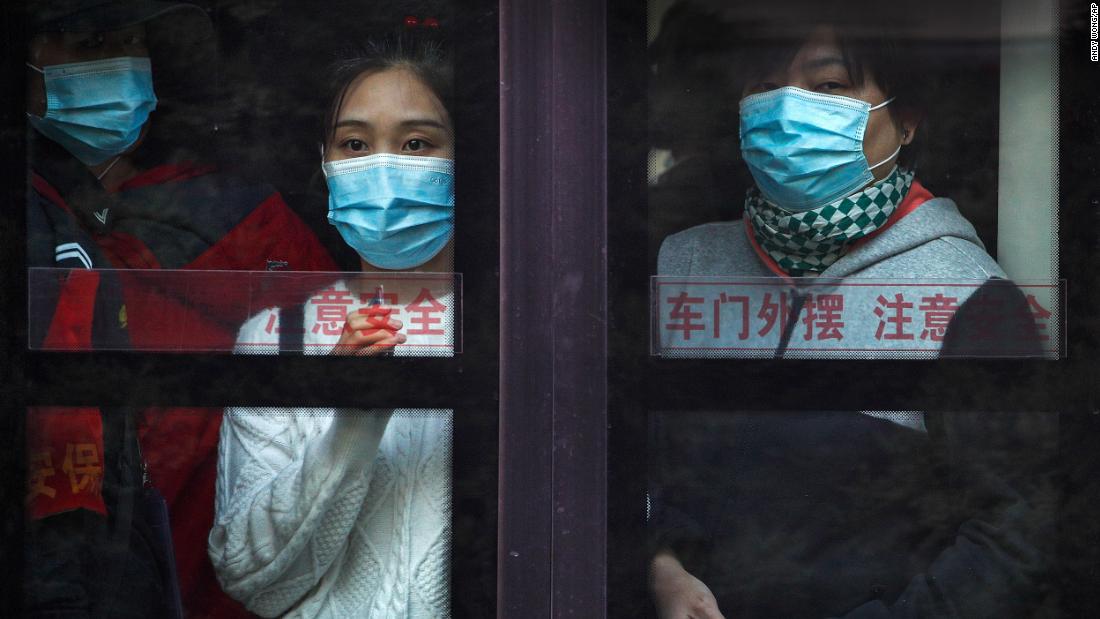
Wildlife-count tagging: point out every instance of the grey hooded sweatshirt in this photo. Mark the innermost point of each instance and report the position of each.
(933, 241)
(931, 251)
(837, 514)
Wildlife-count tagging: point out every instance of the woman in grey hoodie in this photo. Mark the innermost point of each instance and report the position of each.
(790, 523)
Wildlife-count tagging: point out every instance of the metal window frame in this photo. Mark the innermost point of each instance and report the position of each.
(553, 382)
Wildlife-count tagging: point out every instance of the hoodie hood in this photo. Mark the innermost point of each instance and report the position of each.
(931, 247)
(933, 241)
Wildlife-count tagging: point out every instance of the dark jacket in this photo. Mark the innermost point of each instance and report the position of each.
(841, 514)
(109, 557)
(176, 216)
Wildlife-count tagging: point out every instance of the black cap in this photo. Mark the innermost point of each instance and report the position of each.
(98, 15)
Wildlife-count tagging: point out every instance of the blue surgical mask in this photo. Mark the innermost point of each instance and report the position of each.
(396, 211)
(805, 149)
(96, 109)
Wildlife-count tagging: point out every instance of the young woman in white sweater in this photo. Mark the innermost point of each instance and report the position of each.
(342, 513)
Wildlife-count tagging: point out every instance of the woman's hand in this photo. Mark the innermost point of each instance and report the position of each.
(369, 331)
(678, 594)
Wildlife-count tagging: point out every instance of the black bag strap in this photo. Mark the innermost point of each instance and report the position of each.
(130, 539)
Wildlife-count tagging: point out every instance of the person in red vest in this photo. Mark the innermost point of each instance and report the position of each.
(115, 182)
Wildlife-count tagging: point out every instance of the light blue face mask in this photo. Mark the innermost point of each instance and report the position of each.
(397, 211)
(805, 149)
(96, 109)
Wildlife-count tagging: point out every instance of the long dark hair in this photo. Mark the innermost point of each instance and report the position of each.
(425, 54)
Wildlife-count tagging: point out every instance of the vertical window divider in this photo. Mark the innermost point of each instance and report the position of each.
(553, 355)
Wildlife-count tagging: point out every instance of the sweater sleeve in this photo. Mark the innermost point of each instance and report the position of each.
(290, 487)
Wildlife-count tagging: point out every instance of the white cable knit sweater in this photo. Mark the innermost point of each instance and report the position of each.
(326, 513)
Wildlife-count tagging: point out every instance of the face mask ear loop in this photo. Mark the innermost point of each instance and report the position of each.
(321, 150)
(883, 104)
(880, 105)
(100, 176)
(886, 159)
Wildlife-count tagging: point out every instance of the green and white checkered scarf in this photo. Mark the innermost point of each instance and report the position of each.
(810, 241)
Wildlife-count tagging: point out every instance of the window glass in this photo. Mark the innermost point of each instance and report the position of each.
(865, 318)
(844, 182)
(809, 143)
(236, 136)
(259, 178)
(836, 514)
(160, 310)
(319, 510)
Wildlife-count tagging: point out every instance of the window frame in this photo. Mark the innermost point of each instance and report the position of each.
(571, 419)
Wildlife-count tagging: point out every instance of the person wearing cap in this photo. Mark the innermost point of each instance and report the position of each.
(116, 114)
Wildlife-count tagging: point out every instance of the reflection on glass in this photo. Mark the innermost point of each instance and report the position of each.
(848, 514)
